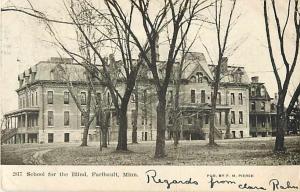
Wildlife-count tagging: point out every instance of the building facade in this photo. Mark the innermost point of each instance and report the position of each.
(262, 110)
(47, 113)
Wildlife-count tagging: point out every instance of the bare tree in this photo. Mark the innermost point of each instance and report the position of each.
(291, 22)
(222, 34)
(182, 14)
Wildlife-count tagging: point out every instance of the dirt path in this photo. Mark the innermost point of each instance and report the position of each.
(36, 158)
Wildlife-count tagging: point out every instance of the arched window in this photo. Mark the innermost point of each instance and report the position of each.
(193, 79)
(199, 77)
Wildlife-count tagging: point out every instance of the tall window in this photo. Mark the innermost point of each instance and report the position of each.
(232, 117)
(219, 98)
(240, 99)
(189, 120)
(83, 98)
(50, 118)
(232, 100)
(170, 100)
(262, 106)
(50, 137)
(252, 91)
(206, 118)
(199, 77)
(220, 118)
(193, 96)
(241, 117)
(50, 97)
(66, 118)
(66, 137)
(253, 106)
(108, 98)
(98, 98)
(202, 96)
(32, 100)
(262, 91)
(66, 97)
(36, 98)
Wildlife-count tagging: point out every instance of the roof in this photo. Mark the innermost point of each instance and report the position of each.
(195, 61)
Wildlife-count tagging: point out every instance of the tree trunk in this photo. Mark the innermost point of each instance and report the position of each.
(122, 137)
(85, 134)
(212, 123)
(104, 137)
(281, 124)
(135, 120)
(161, 128)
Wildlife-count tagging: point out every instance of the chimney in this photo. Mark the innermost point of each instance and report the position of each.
(254, 79)
(224, 64)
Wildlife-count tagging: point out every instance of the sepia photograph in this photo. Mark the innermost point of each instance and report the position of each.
(169, 83)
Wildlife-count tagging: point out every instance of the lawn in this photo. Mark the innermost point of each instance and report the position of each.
(252, 151)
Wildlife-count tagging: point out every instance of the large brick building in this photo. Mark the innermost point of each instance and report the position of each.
(47, 112)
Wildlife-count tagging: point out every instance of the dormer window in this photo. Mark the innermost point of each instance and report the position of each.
(193, 79)
(262, 91)
(199, 77)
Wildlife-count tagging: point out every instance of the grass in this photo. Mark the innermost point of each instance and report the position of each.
(254, 151)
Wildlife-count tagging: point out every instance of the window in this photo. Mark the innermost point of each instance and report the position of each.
(50, 97)
(193, 96)
(50, 138)
(32, 100)
(240, 99)
(232, 117)
(36, 98)
(262, 106)
(66, 118)
(262, 91)
(199, 77)
(272, 107)
(170, 100)
(241, 117)
(170, 122)
(83, 98)
(232, 101)
(189, 120)
(20, 103)
(108, 98)
(253, 105)
(206, 119)
(50, 118)
(219, 98)
(67, 137)
(241, 134)
(66, 97)
(220, 118)
(193, 79)
(202, 96)
(98, 98)
(252, 91)
(233, 134)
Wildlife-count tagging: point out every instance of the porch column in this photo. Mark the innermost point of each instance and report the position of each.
(227, 134)
(26, 138)
(256, 124)
(26, 121)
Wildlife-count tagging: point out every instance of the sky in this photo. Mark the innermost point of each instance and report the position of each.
(25, 42)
